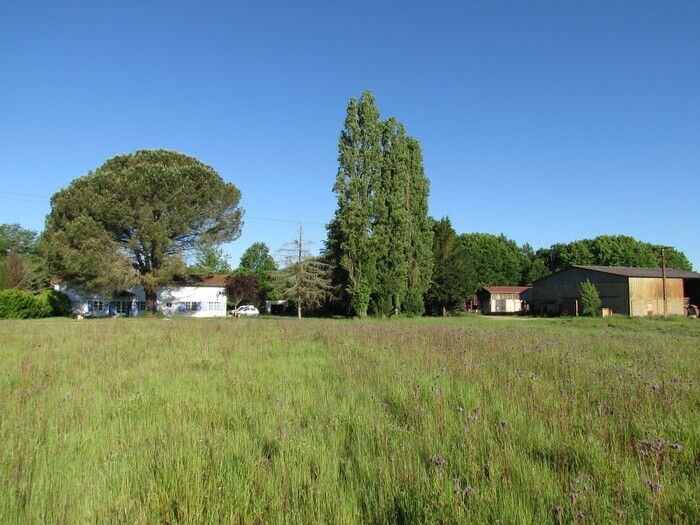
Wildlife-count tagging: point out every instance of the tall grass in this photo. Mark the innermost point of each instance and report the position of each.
(280, 421)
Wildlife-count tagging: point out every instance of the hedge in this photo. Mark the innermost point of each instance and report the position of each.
(17, 304)
(60, 304)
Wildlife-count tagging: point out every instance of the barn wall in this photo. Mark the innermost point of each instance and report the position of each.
(558, 293)
(647, 296)
(692, 291)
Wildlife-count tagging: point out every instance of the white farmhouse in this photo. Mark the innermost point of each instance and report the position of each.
(190, 296)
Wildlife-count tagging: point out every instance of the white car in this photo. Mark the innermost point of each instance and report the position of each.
(247, 310)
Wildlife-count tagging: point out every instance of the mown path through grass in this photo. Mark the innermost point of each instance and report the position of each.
(320, 421)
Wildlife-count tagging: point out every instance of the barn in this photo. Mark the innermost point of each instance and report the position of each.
(628, 291)
(503, 299)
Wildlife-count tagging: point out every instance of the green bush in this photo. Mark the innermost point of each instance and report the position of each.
(590, 299)
(60, 304)
(17, 304)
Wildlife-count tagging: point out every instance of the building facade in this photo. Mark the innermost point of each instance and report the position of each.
(503, 299)
(627, 291)
(192, 296)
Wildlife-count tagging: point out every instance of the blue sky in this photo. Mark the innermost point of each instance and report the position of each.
(545, 121)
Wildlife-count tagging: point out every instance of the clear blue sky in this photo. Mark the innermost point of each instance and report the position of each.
(574, 118)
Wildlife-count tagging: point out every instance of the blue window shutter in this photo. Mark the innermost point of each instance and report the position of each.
(89, 306)
(112, 308)
(199, 306)
(181, 307)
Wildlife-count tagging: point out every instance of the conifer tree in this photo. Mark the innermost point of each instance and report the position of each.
(305, 279)
(590, 299)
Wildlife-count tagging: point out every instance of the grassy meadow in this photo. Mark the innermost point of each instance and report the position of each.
(459, 420)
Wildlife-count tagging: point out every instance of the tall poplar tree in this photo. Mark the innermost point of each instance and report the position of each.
(419, 256)
(391, 231)
(381, 236)
(360, 161)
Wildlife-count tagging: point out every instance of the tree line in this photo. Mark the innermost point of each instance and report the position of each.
(464, 263)
(140, 219)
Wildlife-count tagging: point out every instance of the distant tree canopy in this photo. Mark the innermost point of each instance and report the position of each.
(21, 265)
(14, 237)
(257, 261)
(489, 260)
(449, 286)
(210, 259)
(134, 218)
(380, 237)
(605, 250)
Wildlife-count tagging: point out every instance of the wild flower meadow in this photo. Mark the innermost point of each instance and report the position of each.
(466, 420)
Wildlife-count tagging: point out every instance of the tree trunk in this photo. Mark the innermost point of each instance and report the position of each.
(151, 297)
(299, 311)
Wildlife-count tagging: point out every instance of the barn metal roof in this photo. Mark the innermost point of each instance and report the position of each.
(642, 272)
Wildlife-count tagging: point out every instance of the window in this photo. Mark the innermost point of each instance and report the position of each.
(121, 307)
(168, 305)
(213, 305)
(191, 306)
(142, 306)
(98, 306)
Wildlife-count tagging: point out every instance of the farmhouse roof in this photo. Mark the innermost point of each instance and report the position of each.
(216, 280)
(506, 289)
(642, 272)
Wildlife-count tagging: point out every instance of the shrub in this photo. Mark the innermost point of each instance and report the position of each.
(60, 304)
(590, 299)
(17, 304)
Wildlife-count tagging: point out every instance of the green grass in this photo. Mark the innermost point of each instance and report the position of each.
(464, 419)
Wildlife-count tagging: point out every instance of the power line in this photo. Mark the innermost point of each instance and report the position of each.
(23, 197)
(32, 197)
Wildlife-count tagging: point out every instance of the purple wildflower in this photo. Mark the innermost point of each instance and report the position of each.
(558, 510)
(580, 516)
(438, 460)
(675, 446)
(463, 492)
(651, 484)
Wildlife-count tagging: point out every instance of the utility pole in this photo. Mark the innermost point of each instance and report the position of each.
(301, 248)
(663, 278)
